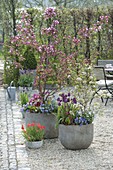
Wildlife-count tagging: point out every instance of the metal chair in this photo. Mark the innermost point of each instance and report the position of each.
(102, 83)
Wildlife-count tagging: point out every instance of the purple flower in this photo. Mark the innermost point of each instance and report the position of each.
(58, 99)
(65, 99)
(62, 95)
(69, 94)
(76, 120)
(74, 100)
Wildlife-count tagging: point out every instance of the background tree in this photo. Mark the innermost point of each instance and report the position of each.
(80, 3)
(8, 14)
(35, 3)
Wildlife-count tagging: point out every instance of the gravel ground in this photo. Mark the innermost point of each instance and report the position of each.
(14, 155)
(99, 156)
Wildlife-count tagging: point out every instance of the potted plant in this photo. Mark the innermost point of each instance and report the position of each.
(75, 114)
(44, 112)
(34, 134)
(25, 82)
(23, 97)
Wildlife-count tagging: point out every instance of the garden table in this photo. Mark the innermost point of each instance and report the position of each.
(110, 69)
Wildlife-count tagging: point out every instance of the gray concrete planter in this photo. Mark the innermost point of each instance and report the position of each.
(47, 120)
(25, 89)
(76, 137)
(34, 145)
(23, 114)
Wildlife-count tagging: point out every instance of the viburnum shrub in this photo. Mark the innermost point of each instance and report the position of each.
(75, 108)
(33, 132)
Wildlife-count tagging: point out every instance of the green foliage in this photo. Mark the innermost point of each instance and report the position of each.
(1, 55)
(10, 74)
(25, 80)
(29, 60)
(23, 98)
(66, 113)
(10, 71)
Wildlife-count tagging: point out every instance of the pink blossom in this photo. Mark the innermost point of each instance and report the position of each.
(76, 41)
(11, 50)
(55, 23)
(49, 13)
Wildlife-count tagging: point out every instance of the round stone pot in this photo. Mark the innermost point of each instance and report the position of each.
(76, 137)
(47, 120)
(34, 145)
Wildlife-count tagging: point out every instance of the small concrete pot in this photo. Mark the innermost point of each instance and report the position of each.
(76, 137)
(34, 145)
(47, 120)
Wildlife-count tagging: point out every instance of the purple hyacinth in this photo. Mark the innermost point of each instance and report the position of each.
(58, 99)
(74, 100)
(59, 104)
(69, 94)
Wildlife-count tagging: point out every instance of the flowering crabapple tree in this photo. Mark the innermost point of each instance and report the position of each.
(53, 64)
